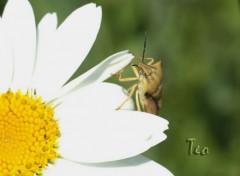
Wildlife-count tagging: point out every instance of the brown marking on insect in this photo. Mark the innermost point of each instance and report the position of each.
(150, 86)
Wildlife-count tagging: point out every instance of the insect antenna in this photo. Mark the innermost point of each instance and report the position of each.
(144, 46)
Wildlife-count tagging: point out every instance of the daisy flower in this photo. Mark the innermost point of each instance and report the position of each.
(52, 129)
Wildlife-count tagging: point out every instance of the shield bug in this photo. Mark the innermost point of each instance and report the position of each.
(148, 89)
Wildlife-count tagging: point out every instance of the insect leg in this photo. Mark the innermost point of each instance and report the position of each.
(137, 101)
(135, 71)
(119, 74)
(131, 91)
(150, 60)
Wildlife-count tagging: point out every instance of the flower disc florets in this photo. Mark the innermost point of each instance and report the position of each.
(28, 134)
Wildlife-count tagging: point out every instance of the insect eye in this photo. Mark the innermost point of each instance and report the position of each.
(148, 74)
(147, 70)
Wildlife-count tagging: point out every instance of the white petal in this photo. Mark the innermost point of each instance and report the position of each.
(100, 97)
(19, 21)
(135, 166)
(67, 48)
(46, 32)
(108, 136)
(6, 60)
(100, 72)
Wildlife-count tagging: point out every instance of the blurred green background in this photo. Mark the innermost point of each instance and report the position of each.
(198, 43)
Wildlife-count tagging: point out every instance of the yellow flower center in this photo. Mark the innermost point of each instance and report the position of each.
(28, 134)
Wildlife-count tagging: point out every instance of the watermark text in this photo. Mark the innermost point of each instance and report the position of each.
(194, 149)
